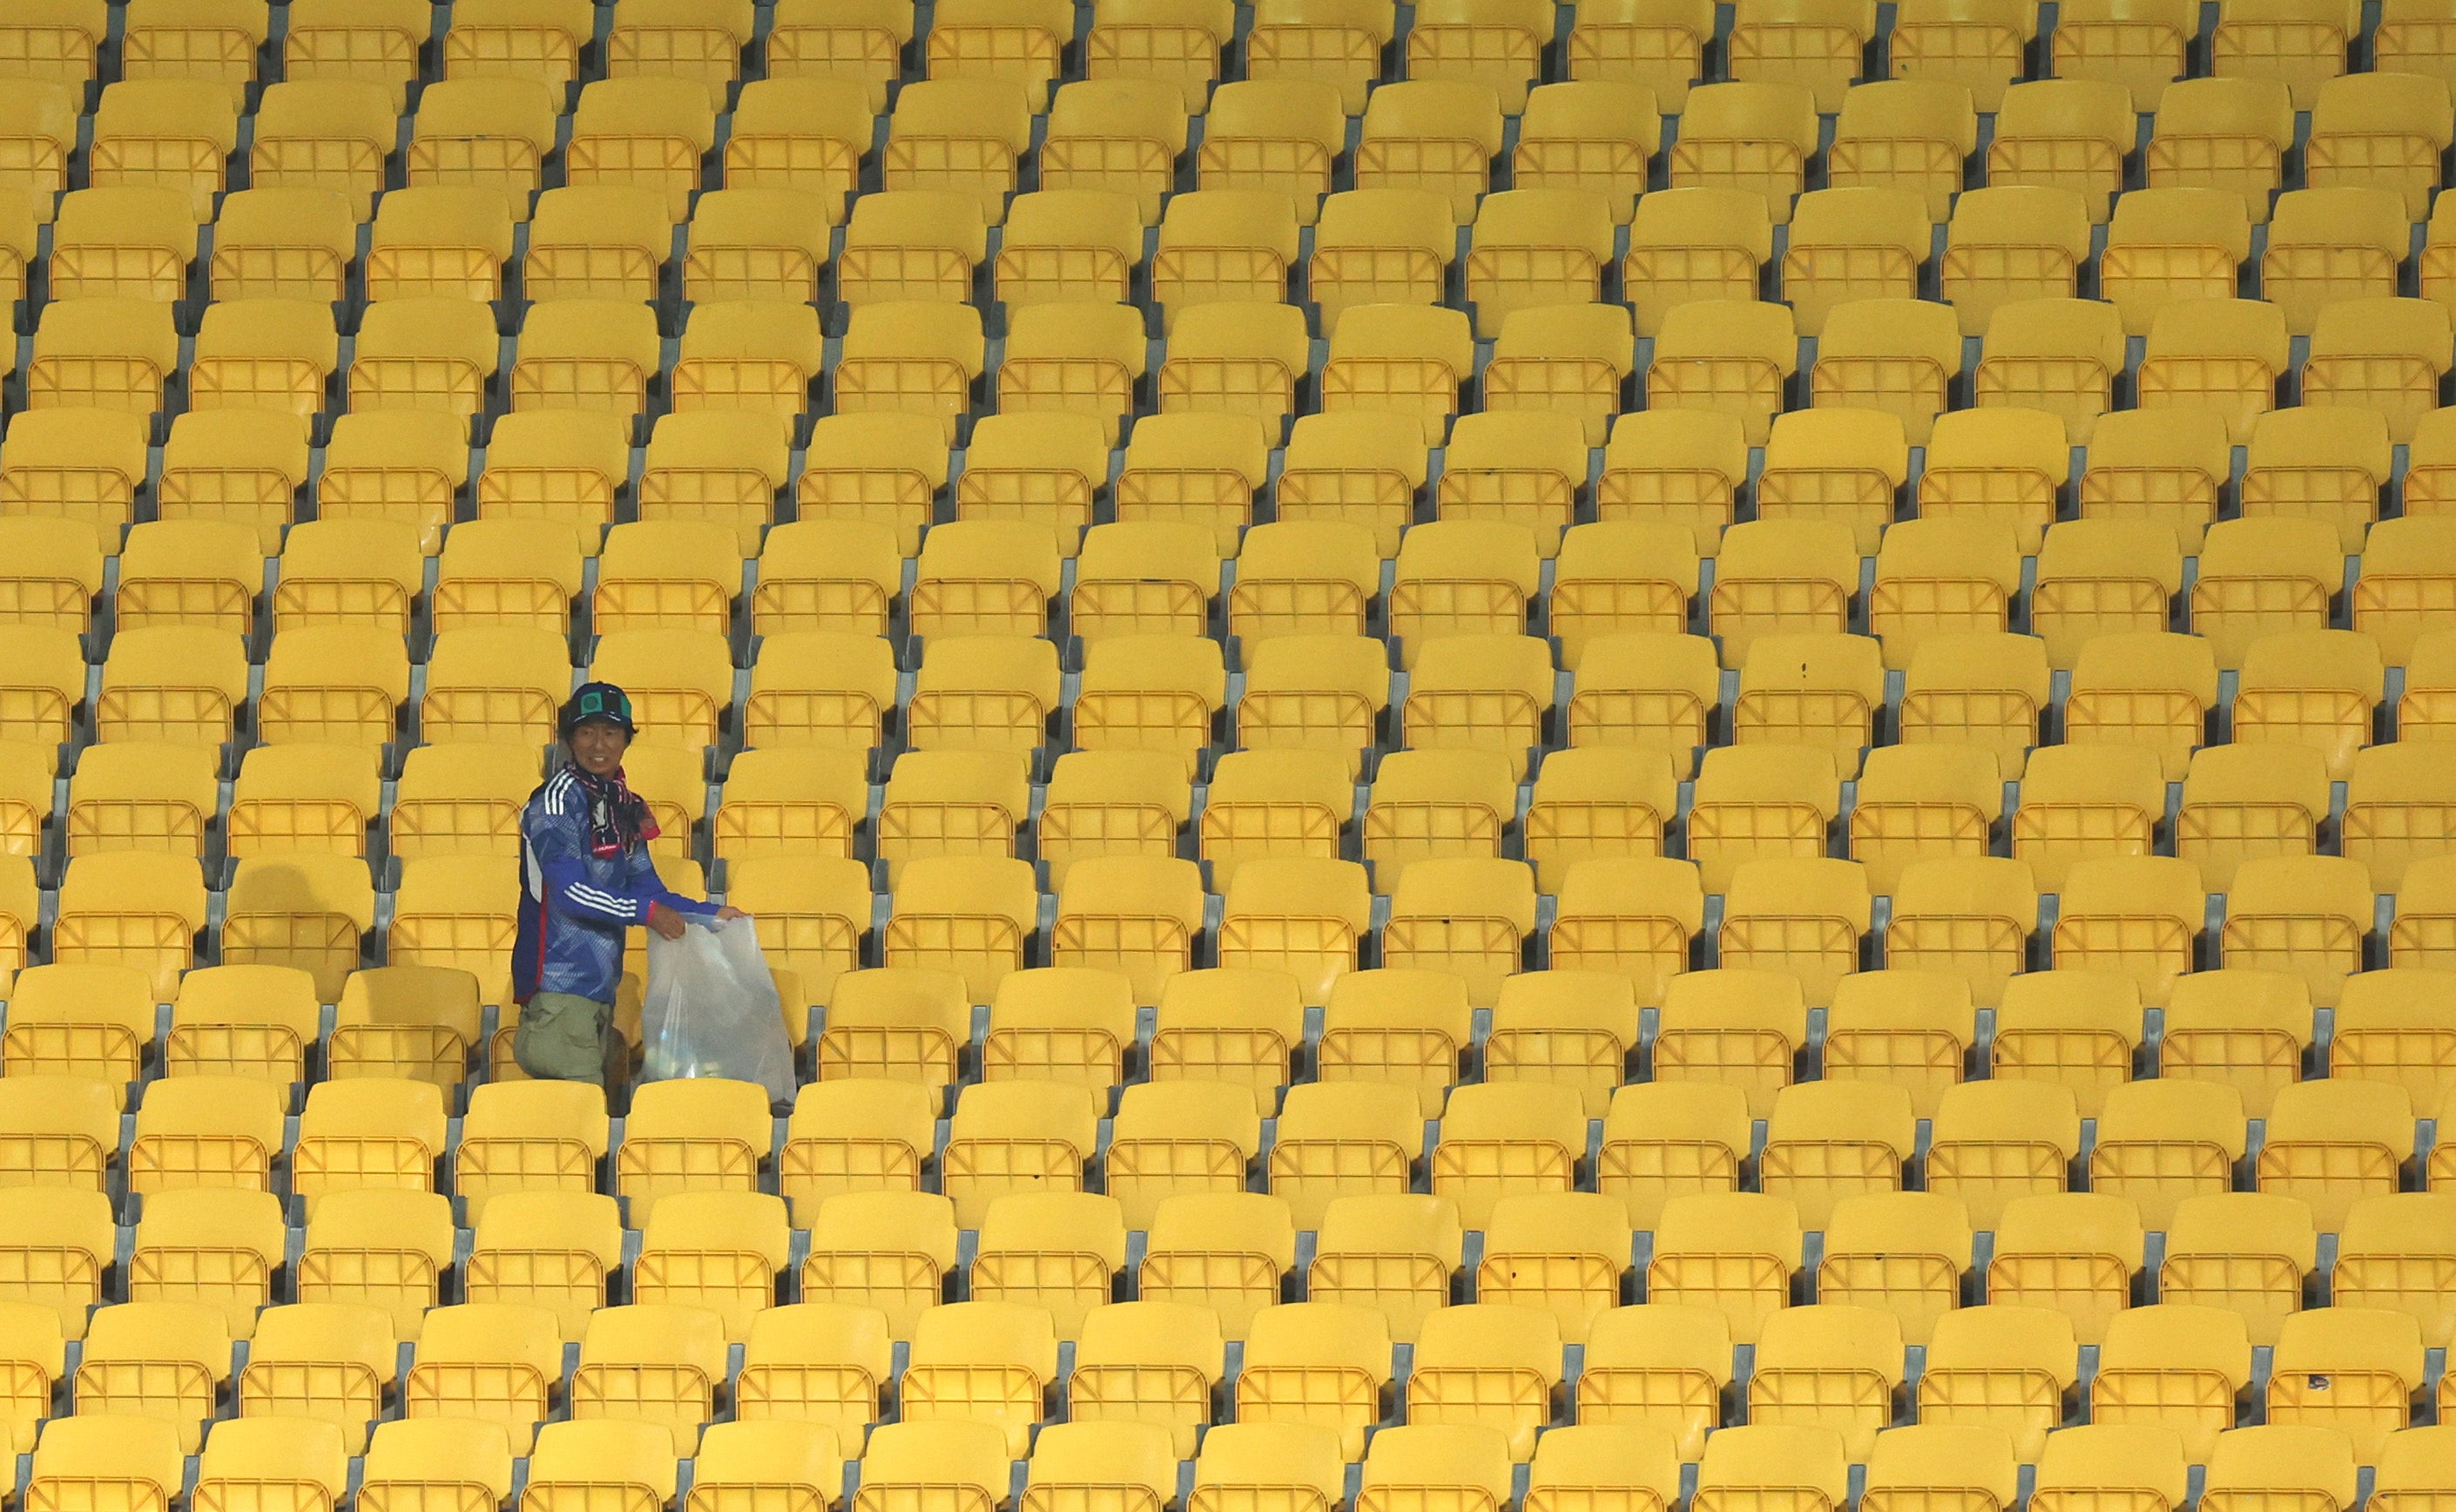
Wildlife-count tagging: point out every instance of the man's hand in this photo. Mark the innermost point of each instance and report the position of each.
(668, 923)
(728, 914)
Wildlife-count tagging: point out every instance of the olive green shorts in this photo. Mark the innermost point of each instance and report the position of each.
(563, 1038)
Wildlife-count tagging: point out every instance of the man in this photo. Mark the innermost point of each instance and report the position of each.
(584, 863)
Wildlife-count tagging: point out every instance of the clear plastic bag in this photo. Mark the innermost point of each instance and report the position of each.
(712, 1010)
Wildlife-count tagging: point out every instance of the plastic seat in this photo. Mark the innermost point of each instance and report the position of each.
(1853, 244)
(2241, 1251)
(2072, 133)
(124, 1454)
(1826, 1142)
(2392, 791)
(2245, 801)
(2003, 1367)
(575, 1461)
(1176, 43)
(1913, 1463)
(713, 1250)
(2012, 244)
(809, 1370)
(1755, 136)
(1503, 1141)
(55, 44)
(2055, 354)
(473, 130)
(1773, 800)
(1830, 1366)
(1196, 1137)
(1842, 466)
(1228, 1026)
(301, 1458)
(1694, 244)
(1813, 691)
(1218, 1254)
(1903, 1025)
(859, 46)
(965, 1456)
(2077, 1027)
(1391, 1253)
(243, 467)
(1336, 45)
(2172, 1366)
(1993, 1141)
(2080, 1465)
(2218, 355)
(2377, 355)
(1340, 1139)
(2420, 712)
(1064, 246)
(1725, 357)
(648, 131)
(132, 241)
(1485, 1366)
(702, 1135)
(1315, 1362)
(1280, 128)
(1016, 1135)
(910, 246)
(101, 352)
(1232, 367)
(1215, 245)
(1631, 916)
(1115, 135)
(1913, 130)
(860, 1135)
(549, 1249)
(959, 136)
(1595, 803)
(2372, 1360)
(368, 1133)
(2070, 1251)
(1781, 578)
(2176, 243)
(2333, 1143)
(490, 1362)
(431, 354)
(1390, 244)
(1658, 1367)
(1793, 1467)
(167, 130)
(60, 1258)
(76, 464)
(213, 1250)
(162, 1360)
(983, 1363)
(1292, 1460)
(2301, 915)
(2388, 1250)
(591, 355)
(1433, 134)
(1398, 362)
(1880, 356)
(754, 355)
(1901, 1254)
(2282, 1460)
(2223, 134)
(951, 802)
(1800, 916)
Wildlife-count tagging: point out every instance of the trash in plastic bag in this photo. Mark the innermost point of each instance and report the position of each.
(712, 1010)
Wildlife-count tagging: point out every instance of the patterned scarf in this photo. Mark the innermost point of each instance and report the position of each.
(618, 818)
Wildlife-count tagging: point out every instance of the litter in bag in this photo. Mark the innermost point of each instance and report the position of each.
(712, 1010)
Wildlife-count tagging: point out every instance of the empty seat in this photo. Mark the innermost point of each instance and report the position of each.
(2004, 1367)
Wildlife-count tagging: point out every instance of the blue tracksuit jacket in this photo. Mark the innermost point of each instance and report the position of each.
(578, 903)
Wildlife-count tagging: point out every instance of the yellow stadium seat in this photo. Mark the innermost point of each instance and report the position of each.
(859, 46)
(1786, 577)
(215, 1250)
(2241, 1251)
(1810, 691)
(1658, 1366)
(2055, 354)
(1775, 1464)
(576, 1460)
(1292, 1460)
(1830, 1366)
(959, 136)
(2064, 134)
(1754, 135)
(813, 1368)
(2222, 356)
(983, 692)
(2011, 244)
(1899, 1253)
(1993, 1141)
(1592, 803)
(2068, 1252)
(1176, 43)
(376, 45)
(1799, 916)
(1280, 129)
(2082, 1464)
(128, 1457)
(2005, 1367)
(2332, 1143)
(1391, 1253)
(1825, 1142)
(910, 245)
(428, 354)
(2177, 243)
(916, 357)
(1228, 1025)
(1915, 128)
(2172, 1366)
(2229, 133)
(1903, 1025)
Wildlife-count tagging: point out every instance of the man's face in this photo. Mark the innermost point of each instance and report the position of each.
(598, 746)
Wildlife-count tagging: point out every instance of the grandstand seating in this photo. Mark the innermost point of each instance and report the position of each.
(1588, 754)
